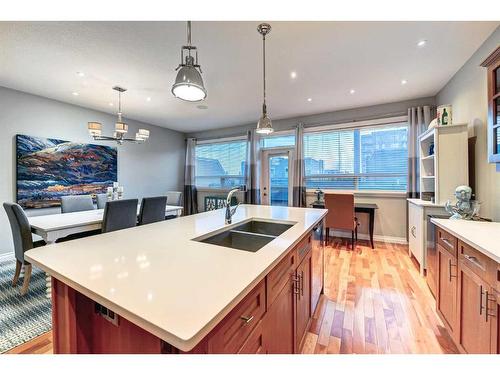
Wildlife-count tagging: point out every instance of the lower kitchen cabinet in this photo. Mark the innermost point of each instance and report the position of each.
(447, 288)
(475, 317)
(494, 305)
(278, 323)
(302, 300)
(255, 342)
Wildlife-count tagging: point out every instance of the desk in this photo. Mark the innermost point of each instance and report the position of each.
(55, 226)
(368, 208)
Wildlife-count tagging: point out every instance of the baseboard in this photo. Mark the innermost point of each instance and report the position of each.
(376, 237)
(6, 255)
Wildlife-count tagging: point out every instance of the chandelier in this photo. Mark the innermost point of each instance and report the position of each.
(121, 128)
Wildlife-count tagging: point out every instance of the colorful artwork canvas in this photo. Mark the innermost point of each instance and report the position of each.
(49, 168)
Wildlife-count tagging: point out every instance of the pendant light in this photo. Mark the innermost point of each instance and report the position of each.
(264, 126)
(189, 83)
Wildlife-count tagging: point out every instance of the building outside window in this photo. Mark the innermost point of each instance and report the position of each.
(221, 165)
(368, 158)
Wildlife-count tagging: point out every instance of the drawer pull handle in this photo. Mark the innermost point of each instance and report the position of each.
(447, 242)
(474, 261)
(246, 319)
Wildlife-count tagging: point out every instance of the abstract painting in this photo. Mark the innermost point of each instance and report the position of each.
(49, 168)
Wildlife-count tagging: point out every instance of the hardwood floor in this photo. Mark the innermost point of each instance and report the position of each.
(375, 301)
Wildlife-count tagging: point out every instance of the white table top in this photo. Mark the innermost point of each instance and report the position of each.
(158, 278)
(482, 235)
(71, 219)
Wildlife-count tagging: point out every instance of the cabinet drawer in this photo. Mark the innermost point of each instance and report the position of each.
(303, 247)
(447, 241)
(479, 263)
(254, 343)
(280, 275)
(230, 335)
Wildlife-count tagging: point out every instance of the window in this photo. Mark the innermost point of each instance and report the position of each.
(221, 164)
(278, 140)
(368, 158)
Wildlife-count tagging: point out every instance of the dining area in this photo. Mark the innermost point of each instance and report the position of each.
(82, 216)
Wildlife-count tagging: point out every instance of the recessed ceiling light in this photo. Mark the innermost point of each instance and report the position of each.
(309, 99)
(148, 99)
(80, 74)
(74, 93)
(352, 91)
(293, 75)
(404, 81)
(422, 43)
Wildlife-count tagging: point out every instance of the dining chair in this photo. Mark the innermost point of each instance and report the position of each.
(76, 203)
(120, 214)
(174, 198)
(341, 215)
(152, 210)
(101, 200)
(23, 241)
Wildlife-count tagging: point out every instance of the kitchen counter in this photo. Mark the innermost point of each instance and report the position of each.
(483, 236)
(159, 279)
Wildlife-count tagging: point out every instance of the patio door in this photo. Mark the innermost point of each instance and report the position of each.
(276, 178)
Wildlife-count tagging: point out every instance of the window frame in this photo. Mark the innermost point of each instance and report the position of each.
(238, 138)
(356, 125)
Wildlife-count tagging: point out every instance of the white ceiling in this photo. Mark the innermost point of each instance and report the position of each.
(330, 58)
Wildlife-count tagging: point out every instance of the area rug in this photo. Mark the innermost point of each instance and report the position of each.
(22, 318)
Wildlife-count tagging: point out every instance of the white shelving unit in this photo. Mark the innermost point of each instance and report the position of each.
(447, 168)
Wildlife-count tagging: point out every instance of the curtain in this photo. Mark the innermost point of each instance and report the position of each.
(252, 195)
(190, 193)
(418, 121)
(299, 189)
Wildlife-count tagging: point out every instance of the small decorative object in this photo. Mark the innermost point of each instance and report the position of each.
(319, 195)
(114, 192)
(464, 208)
(431, 149)
(433, 123)
(444, 115)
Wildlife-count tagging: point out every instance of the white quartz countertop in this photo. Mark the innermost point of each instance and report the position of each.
(158, 278)
(482, 235)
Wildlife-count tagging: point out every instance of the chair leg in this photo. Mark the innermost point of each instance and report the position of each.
(17, 273)
(27, 277)
(356, 233)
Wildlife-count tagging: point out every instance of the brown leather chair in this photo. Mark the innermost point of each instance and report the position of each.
(341, 214)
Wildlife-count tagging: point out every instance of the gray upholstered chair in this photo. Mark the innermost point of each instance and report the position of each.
(101, 200)
(75, 203)
(152, 210)
(23, 241)
(174, 198)
(120, 214)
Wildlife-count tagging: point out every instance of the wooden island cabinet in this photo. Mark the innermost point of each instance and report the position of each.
(468, 297)
(272, 318)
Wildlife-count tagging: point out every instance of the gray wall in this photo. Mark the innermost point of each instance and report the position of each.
(144, 170)
(390, 218)
(467, 93)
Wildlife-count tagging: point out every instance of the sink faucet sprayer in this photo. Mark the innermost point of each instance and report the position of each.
(230, 211)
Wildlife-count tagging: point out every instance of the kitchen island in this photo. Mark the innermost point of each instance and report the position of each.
(155, 289)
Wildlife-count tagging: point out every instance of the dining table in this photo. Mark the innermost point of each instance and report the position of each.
(359, 207)
(56, 226)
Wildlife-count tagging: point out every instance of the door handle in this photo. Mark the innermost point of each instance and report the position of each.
(302, 283)
(296, 285)
(481, 302)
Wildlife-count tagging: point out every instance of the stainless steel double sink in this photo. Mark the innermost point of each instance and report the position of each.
(249, 235)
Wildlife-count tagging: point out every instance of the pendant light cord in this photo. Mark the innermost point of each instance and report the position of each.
(119, 106)
(264, 70)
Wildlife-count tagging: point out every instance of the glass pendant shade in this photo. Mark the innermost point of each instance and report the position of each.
(189, 84)
(121, 127)
(95, 128)
(264, 126)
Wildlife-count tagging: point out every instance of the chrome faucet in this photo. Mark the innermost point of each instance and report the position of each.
(230, 211)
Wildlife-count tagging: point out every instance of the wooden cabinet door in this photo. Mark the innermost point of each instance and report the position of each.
(494, 308)
(255, 342)
(475, 319)
(447, 288)
(278, 322)
(302, 300)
